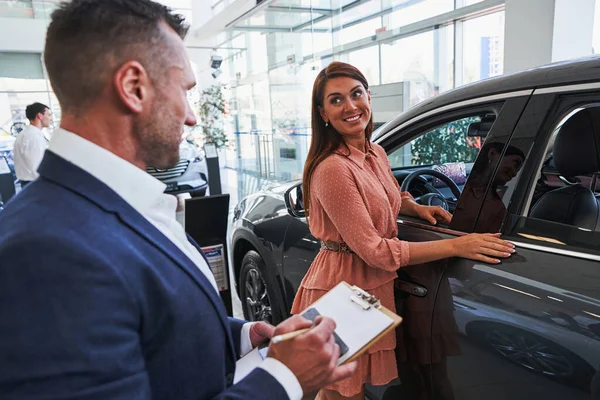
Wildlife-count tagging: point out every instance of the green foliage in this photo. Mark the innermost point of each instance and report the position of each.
(446, 144)
(211, 110)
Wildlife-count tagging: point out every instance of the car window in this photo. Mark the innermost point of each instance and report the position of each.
(550, 177)
(564, 203)
(561, 204)
(448, 143)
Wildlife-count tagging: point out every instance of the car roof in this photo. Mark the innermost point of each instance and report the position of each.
(578, 71)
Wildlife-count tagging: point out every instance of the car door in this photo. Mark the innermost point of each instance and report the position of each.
(414, 349)
(300, 247)
(529, 327)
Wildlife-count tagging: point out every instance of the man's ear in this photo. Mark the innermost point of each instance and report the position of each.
(132, 85)
(323, 115)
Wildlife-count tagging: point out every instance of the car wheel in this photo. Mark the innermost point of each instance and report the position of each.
(258, 291)
(536, 354)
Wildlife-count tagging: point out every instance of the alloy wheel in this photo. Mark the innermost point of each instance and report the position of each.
(257, 302)
(529, 352)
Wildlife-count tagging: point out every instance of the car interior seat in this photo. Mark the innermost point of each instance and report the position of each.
(576, 152)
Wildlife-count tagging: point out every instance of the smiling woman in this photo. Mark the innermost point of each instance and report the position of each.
(352, 201)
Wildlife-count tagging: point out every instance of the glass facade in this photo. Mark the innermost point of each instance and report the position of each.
(275, 54)
(483, 47)
(271, 58)
(37, 9)
(23, 80)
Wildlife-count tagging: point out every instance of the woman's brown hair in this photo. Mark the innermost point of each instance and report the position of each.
(325, 139)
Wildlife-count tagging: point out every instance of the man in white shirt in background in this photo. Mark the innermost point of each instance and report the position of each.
(31, 144)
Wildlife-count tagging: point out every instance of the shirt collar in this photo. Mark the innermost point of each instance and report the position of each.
(134, 185)
(355, 155)
(34, 128)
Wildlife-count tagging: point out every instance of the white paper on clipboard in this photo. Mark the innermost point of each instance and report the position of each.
(355, 325)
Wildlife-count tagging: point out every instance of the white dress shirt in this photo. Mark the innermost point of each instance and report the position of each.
(28, 152)
(146, 195)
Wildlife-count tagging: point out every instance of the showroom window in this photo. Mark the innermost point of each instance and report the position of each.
(299, 43)
(366, 61)
(483, 47)
(409, 58)
(359, 31)
(38, 9)
(257, 52)
(464, 3)
(407, 12)
(425, 60)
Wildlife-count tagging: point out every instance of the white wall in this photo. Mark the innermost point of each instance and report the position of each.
(573, 29)
(528, 34)
(539, 32)
(22, 35)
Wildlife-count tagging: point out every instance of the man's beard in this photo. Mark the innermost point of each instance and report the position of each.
(155, 138)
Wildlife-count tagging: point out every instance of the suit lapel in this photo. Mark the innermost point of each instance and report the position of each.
(68, 175)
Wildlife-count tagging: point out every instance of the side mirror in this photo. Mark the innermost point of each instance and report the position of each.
(293, 201)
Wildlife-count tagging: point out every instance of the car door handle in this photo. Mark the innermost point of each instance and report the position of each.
(411, 288)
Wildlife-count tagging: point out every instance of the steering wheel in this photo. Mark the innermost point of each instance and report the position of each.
(435, 198)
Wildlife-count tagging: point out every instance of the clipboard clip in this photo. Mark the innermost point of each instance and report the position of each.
(364, 299)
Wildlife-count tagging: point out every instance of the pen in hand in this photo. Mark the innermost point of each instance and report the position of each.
(289, 335)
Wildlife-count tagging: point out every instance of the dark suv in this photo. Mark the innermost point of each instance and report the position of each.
(517, 154)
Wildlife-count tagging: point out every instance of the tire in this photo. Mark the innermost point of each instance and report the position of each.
(535, 353)
(259, 293)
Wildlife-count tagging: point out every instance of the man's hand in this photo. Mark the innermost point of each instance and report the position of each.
(260, 332)
(312, 357)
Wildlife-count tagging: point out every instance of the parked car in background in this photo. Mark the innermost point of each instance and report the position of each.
(517, 154)
(188, 176)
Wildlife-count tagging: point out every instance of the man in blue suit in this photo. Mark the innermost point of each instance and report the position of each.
(102, 294)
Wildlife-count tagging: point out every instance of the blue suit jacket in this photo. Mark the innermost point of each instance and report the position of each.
(95, 303)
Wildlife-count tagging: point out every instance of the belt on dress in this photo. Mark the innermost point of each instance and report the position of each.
(335, 246)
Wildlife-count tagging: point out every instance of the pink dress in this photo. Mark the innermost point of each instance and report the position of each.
(355, 199)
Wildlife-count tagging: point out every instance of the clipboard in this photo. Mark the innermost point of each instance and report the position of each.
(361, 321)
(360, 318)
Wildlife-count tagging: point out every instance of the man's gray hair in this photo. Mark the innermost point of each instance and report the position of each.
(88, 40)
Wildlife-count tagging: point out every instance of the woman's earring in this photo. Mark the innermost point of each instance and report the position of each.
(326, 124)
